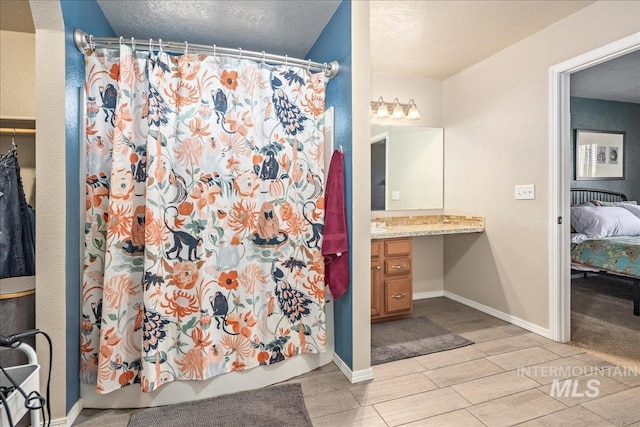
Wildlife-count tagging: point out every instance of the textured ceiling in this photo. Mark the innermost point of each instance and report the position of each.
(615, 80)
(428, 39)
(277, 27)
(437, 39)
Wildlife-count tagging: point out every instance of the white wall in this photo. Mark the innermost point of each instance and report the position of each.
(496, 136)
(50, 222)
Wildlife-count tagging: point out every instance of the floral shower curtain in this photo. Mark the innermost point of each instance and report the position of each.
(204, 217)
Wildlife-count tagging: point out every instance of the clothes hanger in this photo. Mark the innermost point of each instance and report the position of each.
(13, 140)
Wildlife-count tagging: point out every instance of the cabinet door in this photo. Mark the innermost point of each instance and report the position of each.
(398, 296)
(376, 289)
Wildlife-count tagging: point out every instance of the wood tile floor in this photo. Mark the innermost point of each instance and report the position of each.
(508, 377)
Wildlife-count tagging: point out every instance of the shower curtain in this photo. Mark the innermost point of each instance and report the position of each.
(204, 217)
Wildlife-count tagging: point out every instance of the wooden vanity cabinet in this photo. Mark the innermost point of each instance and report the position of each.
(391, 279)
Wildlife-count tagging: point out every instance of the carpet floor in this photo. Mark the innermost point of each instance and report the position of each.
(602, 319)
(410, 337)
(276, 406)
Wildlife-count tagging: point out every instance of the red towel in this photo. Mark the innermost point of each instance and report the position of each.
(335, 244)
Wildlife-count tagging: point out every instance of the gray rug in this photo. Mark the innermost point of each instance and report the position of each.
(276, 406)
(414, 336)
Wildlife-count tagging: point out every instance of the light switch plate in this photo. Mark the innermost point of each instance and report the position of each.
(525, 192)
(395, 195)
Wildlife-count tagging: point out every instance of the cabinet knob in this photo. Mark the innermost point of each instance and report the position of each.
(398, 296)
(398, 267)
(378, 267)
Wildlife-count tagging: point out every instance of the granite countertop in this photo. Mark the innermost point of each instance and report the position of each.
(426, 226)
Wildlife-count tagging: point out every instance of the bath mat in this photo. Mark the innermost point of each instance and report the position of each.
(414, 336)
(276, 406)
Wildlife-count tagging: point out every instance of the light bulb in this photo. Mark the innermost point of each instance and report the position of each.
(414, 114)
(398, 113)
(382, 111)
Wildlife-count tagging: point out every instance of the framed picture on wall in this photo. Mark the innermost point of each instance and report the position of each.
(599, 155)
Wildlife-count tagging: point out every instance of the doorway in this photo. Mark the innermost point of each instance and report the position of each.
(560, 177)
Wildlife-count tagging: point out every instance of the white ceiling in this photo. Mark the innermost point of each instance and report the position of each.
(427, 39)
(437, 39)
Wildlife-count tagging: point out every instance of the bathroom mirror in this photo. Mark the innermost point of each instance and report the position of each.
(406, 167)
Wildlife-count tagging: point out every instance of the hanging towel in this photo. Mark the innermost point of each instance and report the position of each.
(335, 244)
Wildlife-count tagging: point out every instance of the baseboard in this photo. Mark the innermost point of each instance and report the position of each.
(428, 294)
(74, 412)
(500, 315)
(354, 377)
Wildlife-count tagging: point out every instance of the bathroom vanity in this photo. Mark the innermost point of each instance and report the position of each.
(391, 257)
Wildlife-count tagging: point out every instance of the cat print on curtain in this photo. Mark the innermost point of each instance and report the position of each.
(204, 217)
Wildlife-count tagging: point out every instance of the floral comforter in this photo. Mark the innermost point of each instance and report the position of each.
(618, 255)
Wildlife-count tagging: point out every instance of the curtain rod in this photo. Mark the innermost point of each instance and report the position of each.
(84, 42)
(17, 131)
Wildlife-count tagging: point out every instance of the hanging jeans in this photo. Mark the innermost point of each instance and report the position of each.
(17, 222)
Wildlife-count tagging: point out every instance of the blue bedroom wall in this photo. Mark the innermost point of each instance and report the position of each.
(86, 15)
(597, 114)
(335, 44)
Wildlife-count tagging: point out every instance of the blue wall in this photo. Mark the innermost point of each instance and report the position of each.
(86, 15)
(597, 114)
(335, 44)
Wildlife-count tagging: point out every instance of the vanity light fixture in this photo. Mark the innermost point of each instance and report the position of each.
(398, 110)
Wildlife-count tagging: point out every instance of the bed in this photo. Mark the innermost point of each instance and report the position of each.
(605, 237)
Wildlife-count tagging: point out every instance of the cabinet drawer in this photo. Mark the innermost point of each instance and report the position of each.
(397, 247)
(396, 266)
(398, 296)
(376, 249)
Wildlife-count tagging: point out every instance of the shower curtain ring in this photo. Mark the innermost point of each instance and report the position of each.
(133, 43)
(309, 65)
(150, 46)
(186, 47)
(286, 61)
(214, 50)
(240, 50)
(92, 46)
(263, 57)
(120, 41)
(159, 45)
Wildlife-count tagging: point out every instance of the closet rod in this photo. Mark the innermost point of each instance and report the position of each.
(17, 131)
(85, 42)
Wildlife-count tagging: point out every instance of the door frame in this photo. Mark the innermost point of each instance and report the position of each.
(560, 169)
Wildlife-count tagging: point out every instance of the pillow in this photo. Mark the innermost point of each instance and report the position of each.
(597, 221)
(634, 209)
(601, 203)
